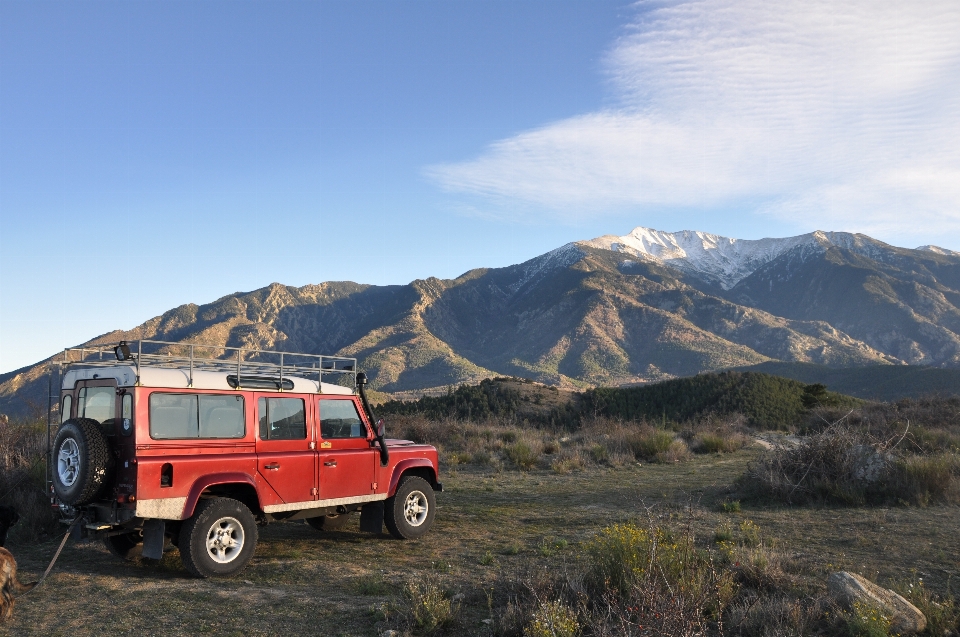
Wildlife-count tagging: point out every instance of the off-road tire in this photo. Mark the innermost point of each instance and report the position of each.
(224, 518)
(409, 513)
(127, 546)
(329, 522)
(82, 461)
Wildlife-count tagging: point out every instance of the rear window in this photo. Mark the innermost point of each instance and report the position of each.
(184, 416)
(97, 403)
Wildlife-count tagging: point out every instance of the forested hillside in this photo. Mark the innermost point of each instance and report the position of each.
(766, 401)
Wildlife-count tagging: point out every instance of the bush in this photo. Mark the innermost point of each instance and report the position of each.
(22, 480)
(925, 479)
(654, 578)
(553, 619)
(847, 464)
(718, 442)
(522, 455)
(942, 613)
(599, 453)
(427, 608)
(650, 442)
(676, 452)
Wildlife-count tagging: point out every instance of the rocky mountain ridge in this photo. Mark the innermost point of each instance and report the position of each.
(609, 311)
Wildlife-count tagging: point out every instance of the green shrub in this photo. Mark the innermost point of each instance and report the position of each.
(511, 549)
(429, 608)
(522, 455)
(599, 453)
(749, 533)
(553, 619)
(724, 533)
(371, 585)
(718, 443)
(459, 457)
(942, 613)
(867, 621)
(656, 578)
(676, 452)
(646, 445)
(731, 506)
(926, 479)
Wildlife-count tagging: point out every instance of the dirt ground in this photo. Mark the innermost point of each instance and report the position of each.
(490, 527)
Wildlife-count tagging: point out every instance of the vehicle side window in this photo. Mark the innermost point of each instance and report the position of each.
(173, 416)
(65, 408)
(97, 403)
(339, 419)
(181, 416)
(221, 416)
(282, 419)
(126, 415)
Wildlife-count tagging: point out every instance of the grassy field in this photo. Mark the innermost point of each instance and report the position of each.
(495, 528)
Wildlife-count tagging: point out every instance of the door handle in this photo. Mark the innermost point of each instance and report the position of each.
(272, 467)
(330, 463)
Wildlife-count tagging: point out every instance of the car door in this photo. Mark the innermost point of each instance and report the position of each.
(285, 447)
(347, 460)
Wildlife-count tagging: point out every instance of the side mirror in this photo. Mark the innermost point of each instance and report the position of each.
(380, 428)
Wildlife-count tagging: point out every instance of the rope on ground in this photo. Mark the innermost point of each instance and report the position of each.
(63, 543)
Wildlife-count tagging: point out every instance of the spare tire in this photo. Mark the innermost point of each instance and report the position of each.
(81, 461)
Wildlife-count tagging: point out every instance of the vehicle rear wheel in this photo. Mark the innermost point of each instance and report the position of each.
(329, 522)
(409, 513)
(82, 461)
(219, 539)
(127, 546)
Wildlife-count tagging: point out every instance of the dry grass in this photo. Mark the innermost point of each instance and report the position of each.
(511, 543)
(598, 442)
(853, 461)
(517, 552)
(22, 483)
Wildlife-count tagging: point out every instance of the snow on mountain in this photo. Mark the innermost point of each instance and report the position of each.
(723, 260)
(939, 250)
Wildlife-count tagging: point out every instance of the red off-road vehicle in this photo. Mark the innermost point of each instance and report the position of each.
(197, 445)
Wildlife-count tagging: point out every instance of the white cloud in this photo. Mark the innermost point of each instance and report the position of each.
(847, 112)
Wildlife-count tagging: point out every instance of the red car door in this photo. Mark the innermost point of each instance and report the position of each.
(347, 461)
(285, 447)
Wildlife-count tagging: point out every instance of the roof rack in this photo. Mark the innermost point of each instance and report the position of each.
(243, 362)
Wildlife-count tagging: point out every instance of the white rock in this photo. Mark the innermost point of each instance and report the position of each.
(906, 619)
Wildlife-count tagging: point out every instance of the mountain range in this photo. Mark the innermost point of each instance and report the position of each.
(614, 310)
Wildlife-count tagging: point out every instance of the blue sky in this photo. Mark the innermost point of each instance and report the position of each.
(160, 153)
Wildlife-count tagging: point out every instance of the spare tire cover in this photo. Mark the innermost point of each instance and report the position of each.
(82, 461)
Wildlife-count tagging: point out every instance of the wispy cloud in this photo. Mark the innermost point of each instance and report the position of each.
(847, 112)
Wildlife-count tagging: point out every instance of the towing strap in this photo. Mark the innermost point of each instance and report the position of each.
(63, 543)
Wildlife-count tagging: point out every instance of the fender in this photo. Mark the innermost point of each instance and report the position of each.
(213, 480)
(404, 465)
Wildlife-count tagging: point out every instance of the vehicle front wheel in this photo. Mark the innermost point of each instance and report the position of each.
(409, 513)
(219, 539)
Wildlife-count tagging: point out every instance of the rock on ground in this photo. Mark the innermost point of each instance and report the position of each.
(905, 618)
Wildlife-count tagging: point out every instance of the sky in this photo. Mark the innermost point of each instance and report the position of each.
(160, 153)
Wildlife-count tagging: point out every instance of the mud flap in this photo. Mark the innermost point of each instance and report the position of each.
(371, 517)
(153, 531)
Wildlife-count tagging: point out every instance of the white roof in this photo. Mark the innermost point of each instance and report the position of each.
(126, 376)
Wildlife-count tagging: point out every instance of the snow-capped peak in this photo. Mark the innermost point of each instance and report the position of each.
(939, 250)
(723, 260)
